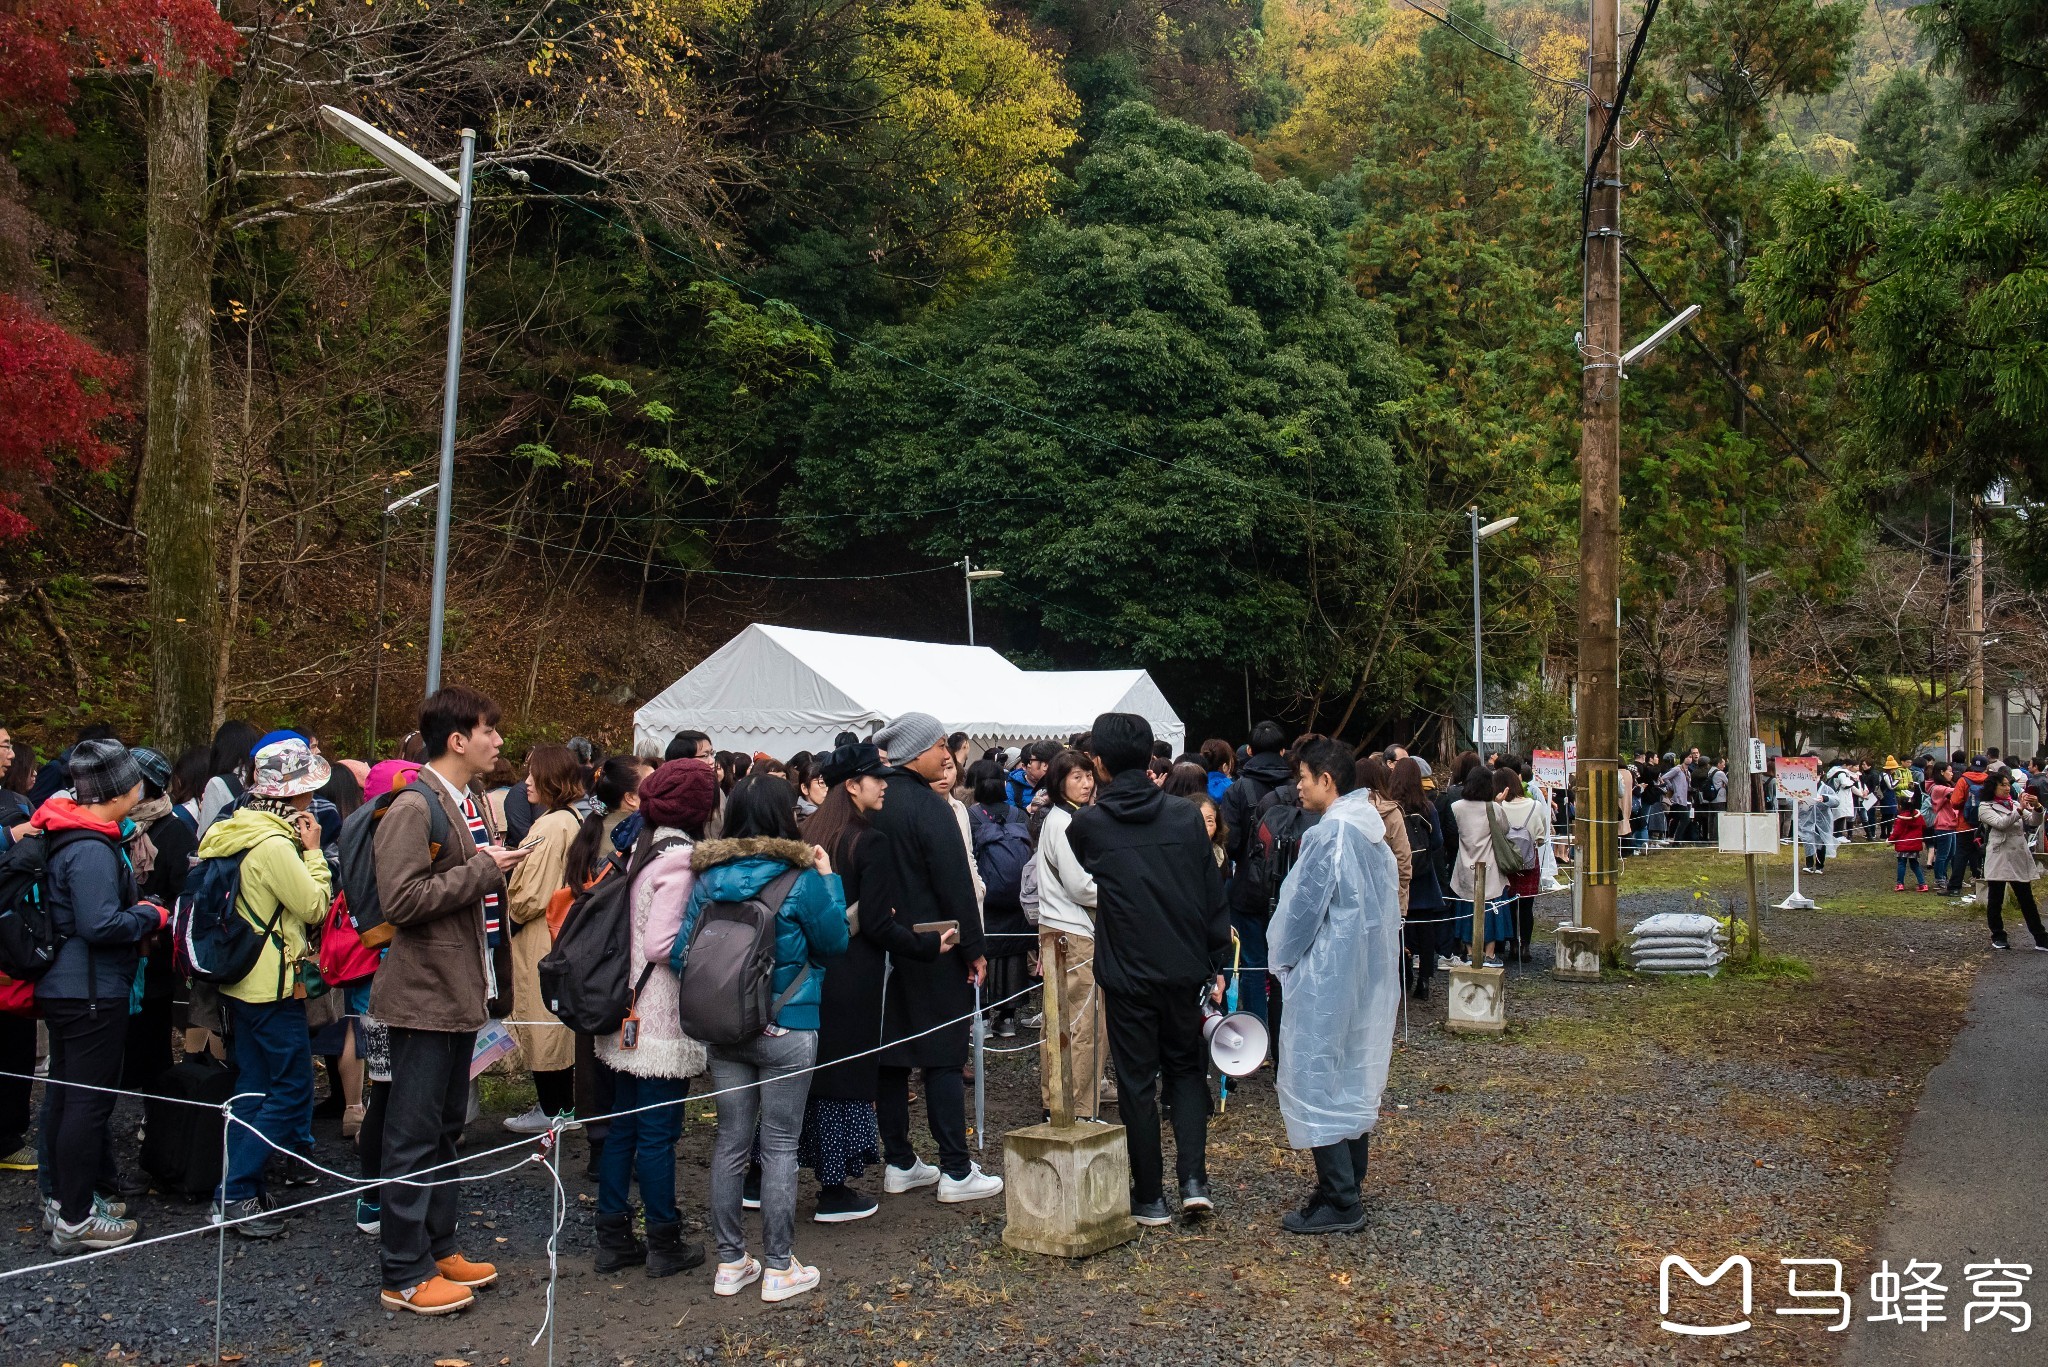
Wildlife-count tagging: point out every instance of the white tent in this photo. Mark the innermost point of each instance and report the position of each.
(781, 690)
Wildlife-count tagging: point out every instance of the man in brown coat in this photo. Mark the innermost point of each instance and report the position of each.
(431, 990)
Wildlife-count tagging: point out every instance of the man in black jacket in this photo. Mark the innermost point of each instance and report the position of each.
(932, 882)
(1161, 933)
(1251, 897)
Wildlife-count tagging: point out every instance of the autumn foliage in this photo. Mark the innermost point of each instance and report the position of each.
(41, 41)
(58, 393)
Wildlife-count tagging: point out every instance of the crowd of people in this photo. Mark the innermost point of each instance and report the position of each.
(889, 896)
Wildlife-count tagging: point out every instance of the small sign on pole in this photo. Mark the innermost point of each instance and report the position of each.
(1759, 762)
(1571, 756)
(1798, 777)
(1495, 731)
(1547, 768)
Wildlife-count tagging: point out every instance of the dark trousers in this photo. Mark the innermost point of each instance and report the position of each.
(267, 1043)
(1420, 937)
(945, 1109)
(370, 1138)
(1153, 1033)
(1963, 855)
(147, 1055)
(1340, 1170)
(2023, 893)
(595, 1082)
(423, 1122)
(644, 1144)
(86, 1042)
(17, 1055)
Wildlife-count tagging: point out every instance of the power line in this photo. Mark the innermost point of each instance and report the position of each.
(1628, 73)
(496, 530)
(786, 517)
(985, 396)
(1511, 55)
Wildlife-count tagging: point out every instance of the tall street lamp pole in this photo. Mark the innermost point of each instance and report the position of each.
(425, 176)
(391, 510)
(971, 574)
(1480, 534)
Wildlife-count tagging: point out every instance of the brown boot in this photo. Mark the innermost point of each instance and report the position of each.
(434, 1296)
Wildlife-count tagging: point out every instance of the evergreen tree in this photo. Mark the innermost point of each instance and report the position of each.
(1210, 482)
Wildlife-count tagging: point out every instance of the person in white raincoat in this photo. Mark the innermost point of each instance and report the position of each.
(1816, 827)
(1335, 942)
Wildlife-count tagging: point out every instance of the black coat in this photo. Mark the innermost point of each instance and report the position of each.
(932, 883)
(850, 1007)
(1160, 921)
(175, 846)
(1239, 811)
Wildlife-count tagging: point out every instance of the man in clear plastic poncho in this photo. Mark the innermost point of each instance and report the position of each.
(1335, 943)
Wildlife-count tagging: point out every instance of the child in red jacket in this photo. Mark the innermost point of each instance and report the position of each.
(1909, 836)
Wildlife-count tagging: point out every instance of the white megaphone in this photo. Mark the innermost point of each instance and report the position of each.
(1237, 1042)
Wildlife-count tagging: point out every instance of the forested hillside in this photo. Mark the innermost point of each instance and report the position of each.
(1205, 322)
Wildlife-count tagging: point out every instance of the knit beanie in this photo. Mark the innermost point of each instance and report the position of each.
(101, 770)
(909, 736)
(681, 793)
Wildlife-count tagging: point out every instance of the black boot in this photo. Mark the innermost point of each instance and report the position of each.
(616, 1246)
(667, 1254)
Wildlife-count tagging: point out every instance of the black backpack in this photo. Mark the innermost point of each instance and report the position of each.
(28, 929)
(210, 938)
(727, 967)
(583, 978)
(1002, 847)
(1275, 846)
(356, 851)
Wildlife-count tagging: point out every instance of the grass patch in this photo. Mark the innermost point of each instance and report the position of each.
(1770, 968)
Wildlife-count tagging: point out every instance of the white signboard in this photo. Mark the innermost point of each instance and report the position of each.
(1496, 732)
(1749, 832)
(1546, 767)
(1798, 778)
(1759, 762)
(1571, 756)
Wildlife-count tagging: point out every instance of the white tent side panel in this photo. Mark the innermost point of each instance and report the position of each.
(781, 690)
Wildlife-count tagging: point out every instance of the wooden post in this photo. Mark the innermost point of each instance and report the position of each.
(1600, 491)
(1056, 1041)
(1478, 946)
(1756, 928)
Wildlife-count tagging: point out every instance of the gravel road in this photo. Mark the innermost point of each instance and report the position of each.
(1522, 1191)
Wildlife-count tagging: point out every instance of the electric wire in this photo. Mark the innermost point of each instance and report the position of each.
(1512, 54)
(1628, 72)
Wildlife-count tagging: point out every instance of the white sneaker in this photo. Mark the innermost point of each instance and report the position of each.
(779, 1284)
(896, 1181)
(534, 1121)
(735, 1277)
(975, 1186)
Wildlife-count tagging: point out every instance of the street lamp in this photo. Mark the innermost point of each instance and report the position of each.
(1480, 534)
(434, 182)
(391, 510)
(971, 574)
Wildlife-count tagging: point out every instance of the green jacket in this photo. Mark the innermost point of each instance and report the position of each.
(281, 879)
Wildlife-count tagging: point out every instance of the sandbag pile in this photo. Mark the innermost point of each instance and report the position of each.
(1677, 942)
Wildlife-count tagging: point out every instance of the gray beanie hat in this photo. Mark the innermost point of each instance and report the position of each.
(909, 736)
(102, 770)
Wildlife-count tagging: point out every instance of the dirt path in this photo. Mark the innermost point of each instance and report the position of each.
(1523, 1191)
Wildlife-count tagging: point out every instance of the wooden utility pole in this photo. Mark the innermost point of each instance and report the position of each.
(1598, 819)
(1973, 710)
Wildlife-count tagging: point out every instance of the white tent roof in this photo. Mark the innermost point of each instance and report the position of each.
(781, 690)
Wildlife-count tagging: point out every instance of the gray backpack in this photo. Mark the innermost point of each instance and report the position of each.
(728, 966)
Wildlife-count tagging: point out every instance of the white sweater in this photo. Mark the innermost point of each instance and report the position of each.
(1066, 891)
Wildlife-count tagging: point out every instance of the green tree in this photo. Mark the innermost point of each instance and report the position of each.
(1211, 481)
(1936, 317)
(1460, 222)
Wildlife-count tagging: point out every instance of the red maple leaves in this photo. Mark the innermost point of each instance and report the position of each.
(58, 393)
(41, 41)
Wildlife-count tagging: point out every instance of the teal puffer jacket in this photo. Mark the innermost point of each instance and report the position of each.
(810, 928)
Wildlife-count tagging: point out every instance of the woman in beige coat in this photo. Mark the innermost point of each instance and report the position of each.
(2009, 824)
(554, 784)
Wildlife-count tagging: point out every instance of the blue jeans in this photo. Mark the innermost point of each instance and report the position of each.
(766, 1081)
(647, 1142)
(269, 1046)
(1252, 984)
(1910, 861)
(1944, 851)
